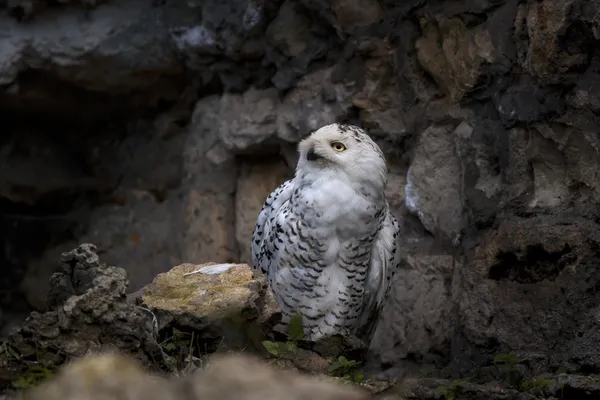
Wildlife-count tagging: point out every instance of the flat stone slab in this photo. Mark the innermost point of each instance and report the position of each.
(203, 289)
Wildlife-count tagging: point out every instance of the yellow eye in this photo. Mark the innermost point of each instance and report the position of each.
(337, 146)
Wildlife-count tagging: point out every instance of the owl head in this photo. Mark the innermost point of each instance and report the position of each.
(343, 150)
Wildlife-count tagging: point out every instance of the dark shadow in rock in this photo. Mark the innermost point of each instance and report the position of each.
(532, 265)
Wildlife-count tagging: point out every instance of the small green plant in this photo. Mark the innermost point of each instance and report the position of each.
(346, 369)
(295, 333)
(182, 348)
(536, 386)
(177, 341)
(33, 373)
(509, 363)
(32, 378)
(341, 368)
(453, 389)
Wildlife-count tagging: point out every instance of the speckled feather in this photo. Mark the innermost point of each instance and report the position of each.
(326, 238)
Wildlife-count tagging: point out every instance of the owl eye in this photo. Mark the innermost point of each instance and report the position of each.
(337, 146)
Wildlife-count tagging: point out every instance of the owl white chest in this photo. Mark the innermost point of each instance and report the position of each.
(333, 206)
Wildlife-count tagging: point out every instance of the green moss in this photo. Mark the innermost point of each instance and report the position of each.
(510, 365)
(346, 369)
(199, 293)
(537, 385)
(33, 377)
(452, 390)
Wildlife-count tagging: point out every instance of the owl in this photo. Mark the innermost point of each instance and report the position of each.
(326, 238)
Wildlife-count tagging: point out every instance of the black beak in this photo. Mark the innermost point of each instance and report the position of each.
(311, 155)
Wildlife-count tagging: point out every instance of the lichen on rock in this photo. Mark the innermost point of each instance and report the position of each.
(224, 304)
(204, 290)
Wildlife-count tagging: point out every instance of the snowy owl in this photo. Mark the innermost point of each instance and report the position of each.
(326, 239)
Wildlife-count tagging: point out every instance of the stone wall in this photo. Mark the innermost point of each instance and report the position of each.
(156, 129)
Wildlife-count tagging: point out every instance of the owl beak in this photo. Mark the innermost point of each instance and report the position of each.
(311, 155)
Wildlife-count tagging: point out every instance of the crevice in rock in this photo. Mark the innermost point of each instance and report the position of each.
(52, 99)
(577, 393)
(182, 342)
(533, 265)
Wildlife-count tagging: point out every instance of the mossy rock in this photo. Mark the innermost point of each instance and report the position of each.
(209, 298)
(216, 289)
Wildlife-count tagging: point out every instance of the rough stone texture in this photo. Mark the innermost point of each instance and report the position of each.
(423, 297)
(521, 279)
(199, 296)
(255, 182)
(430, 389)
(433, 183)
(454, 54)
(87, 313)
(147, 128)
(225, 377)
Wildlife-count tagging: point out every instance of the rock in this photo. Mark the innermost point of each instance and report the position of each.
(426, 389)
(547, 271)
(233, 376)
(88, 313)
(289, 31)
(296, 40)
(353, 14)
(432, 190)
(542, 26)
(421, 288)
(550, 186)
(203, 294)
(395, 190)
(584, 96)
(209, 184)
(219, 302)
(481, 146)
(311, 105)
(72, 42)
(255, 183)
(588, 386)
(139, 228)
(248, 120)
(376, 97)
(555, 171)
(103, 375)
(528, 103)
(453, 54)
(230, 372)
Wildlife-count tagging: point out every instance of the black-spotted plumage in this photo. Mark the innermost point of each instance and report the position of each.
(326, 238)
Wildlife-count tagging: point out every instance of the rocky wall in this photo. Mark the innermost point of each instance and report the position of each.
(156, 129)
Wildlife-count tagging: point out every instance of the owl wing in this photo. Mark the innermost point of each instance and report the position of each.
(264, 238)
(385, 260)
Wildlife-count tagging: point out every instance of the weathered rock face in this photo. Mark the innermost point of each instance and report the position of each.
(155, 130)
(87, 313)
(223, 303)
